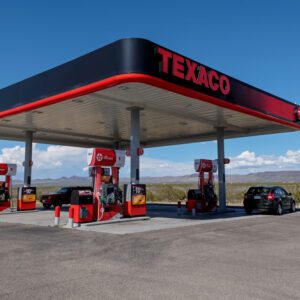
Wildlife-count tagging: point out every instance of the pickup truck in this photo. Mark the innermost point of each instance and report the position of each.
(62, 196)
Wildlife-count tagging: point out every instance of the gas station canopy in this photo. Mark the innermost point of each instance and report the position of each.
(87, 101)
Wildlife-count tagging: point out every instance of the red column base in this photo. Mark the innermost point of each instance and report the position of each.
(204, 207)
(83, 219)
(4, 205)
(26, 205)
(110, 212)
(130, 210)
(191, 203)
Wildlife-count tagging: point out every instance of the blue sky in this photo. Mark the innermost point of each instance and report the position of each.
(254, 41)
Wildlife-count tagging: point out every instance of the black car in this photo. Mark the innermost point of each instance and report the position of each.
(62, 196)
(269, 199)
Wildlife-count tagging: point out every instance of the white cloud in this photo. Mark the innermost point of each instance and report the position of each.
(157, 167)
(58, 161)
(248, 161)
(13, 155)
(53, 162)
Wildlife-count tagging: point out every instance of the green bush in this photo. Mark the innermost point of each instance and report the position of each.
(166, 193)
(150, 196)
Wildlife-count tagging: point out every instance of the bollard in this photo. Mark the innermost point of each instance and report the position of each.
(71, 217)
(193, 212)
(56, 215)
(179, 208)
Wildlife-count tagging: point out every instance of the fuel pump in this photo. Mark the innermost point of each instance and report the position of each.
(134, 200)
(6, 170)
(204, 199)
(26, 198)
(104, 165)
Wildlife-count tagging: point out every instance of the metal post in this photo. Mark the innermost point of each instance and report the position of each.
(221, 169)
(28, 158)
(134, 144)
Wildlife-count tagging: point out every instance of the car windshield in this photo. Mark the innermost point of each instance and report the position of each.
(258, 190)
(63, 190)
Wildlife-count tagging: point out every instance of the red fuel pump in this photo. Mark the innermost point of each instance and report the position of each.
(6, 170)
(104, 168)
(134, 200)
(83, 206)
(107, 198)
(204, 198)
(26, 198)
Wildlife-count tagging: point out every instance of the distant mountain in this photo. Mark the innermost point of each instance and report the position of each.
(281, 176)
(63, 181)
(261, 177)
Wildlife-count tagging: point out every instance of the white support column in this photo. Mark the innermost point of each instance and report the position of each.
(221, 169)
(28, 158)
(134, 144)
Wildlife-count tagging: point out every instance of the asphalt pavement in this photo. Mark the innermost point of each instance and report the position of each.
(251, 258)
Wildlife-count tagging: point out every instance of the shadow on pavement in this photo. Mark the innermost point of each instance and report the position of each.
(170, 211)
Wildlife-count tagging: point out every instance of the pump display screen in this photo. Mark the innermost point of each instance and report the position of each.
(28, 198)
(138, 194)
(28, 194)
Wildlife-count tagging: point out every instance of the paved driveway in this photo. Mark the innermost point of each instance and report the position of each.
(253, 258)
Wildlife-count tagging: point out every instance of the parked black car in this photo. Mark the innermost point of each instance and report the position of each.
(269, 199)
(62, 196)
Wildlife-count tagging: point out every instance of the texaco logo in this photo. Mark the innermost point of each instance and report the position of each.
(99, 157)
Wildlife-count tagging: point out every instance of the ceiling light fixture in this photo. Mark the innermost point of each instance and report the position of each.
(77, 101)
(123, 87)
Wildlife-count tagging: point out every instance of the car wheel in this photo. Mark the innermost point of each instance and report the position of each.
(279, 209)
(46, 206)
(293, 207)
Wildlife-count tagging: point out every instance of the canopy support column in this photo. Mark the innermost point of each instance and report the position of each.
(221, 169)
(134, 144)
(28, 158)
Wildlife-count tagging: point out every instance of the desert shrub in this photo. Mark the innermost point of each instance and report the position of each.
(150, 196)
(167, 193)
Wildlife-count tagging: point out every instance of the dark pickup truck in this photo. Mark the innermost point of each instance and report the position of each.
(62, 196)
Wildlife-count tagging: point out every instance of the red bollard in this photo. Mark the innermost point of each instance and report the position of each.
(56, 215)
(71, 217)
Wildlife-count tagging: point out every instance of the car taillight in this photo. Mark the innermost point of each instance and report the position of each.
(270, 197)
